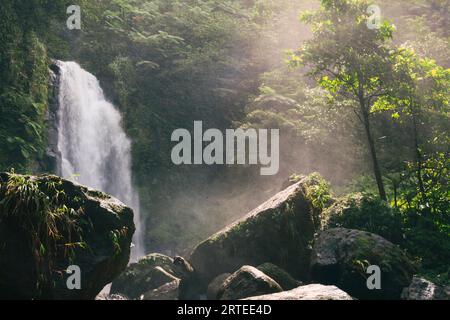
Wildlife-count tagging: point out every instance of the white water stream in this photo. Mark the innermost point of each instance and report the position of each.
(94, 147)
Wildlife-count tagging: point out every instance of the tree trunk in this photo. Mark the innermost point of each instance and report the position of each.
(373, 152)
(419, 158)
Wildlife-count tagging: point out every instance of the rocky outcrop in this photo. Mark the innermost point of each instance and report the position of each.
(422, 289)
(309, 292)
(247, 282)
(148, 274)
(283, 278)
(280, 231)
(48, 224)
(341, 257)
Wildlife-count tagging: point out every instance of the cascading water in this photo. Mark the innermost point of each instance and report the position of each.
(94, 148)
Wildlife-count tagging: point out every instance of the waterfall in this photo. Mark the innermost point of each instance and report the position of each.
(95, 150)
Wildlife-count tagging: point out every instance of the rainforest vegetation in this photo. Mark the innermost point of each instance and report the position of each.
(367, 108)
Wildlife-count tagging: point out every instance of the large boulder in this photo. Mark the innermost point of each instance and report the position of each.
(48, 224)
(422, 289)
(366, 213)
(309, 292)
(341, 257)
(151, 272)
(280, 231)
(52, 157)
(283, 278)
(247, 282)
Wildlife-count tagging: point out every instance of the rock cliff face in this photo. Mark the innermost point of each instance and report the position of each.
(48, 224)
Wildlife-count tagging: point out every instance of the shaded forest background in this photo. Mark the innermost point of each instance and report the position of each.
(251, 63)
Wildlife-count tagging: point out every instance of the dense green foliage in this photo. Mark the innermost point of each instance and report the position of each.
(40, 207)
(24, 81)
(367, 108)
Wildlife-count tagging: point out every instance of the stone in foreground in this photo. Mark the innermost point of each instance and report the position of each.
(422, 289)
(168, 291)
(215, 285)
(246, 282)
(309, 292)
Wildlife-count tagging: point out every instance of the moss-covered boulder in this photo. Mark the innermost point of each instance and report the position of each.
(168, 291)
(341, 257)
(309, 292)
(151, 272)
(247, 282)
(284, 279)
(189, 288)
(48, 224)
(280, 231)
(366, 213)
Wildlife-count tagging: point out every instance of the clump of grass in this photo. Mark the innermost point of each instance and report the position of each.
(37, 206)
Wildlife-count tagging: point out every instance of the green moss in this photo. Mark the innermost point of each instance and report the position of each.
(157, 260)
(366, 213)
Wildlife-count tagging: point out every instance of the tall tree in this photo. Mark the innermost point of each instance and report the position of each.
(350, 60)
